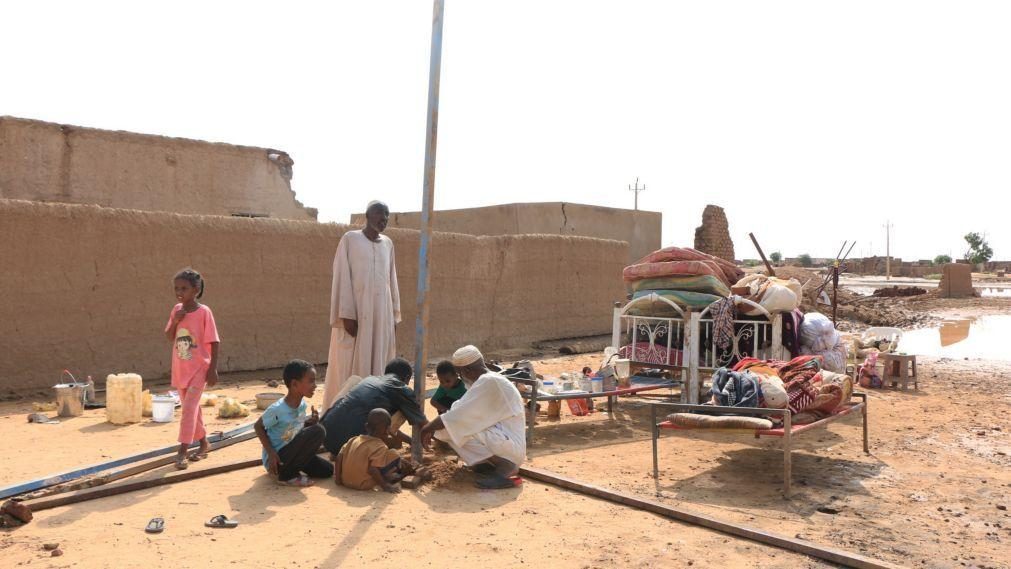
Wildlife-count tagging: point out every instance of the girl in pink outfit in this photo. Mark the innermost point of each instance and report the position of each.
(195, 341)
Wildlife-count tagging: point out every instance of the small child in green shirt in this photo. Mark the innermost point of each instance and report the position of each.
(451, 387)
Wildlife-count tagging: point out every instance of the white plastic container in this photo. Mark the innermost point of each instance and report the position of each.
(123, 401)
(163, 408)
(549, 386)
(596, 384)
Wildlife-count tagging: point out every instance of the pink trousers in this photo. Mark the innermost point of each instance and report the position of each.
(191, 425)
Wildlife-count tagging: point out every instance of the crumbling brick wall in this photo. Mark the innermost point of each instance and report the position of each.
(62, 163)
(713, 236)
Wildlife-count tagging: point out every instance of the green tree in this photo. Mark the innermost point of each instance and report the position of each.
(776, 256)
(979, 251)
(942, 260)
(805, 260)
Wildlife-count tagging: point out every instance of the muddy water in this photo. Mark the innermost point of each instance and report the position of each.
(986, 337)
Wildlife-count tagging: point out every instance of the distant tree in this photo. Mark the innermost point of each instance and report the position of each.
(805, 260)
(942, 260)
(751, 262)
(776, 256)
(979, 251)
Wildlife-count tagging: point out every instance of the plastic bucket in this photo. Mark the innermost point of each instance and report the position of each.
(69, 399)
(163, 408)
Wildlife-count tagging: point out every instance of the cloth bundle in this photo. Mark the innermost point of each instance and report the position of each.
(771, 293)
(734, 389)
(813, 393)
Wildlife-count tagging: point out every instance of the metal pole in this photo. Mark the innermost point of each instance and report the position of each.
(428, 197)
(888, 250)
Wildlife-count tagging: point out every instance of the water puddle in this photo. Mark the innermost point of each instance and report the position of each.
(985, 337)
(995, 292)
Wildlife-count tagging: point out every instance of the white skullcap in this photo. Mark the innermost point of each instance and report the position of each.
(466, 356)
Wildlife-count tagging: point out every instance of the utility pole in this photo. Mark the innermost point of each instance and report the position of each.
(427, 205)
(637, 189)
(888, 250)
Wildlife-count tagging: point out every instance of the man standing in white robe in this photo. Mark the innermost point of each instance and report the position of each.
(486, 426)
(364, 304)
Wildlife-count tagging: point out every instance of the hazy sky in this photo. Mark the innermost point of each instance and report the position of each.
(810, 122)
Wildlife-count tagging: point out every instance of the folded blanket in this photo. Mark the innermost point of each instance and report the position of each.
(707, 284)
(696, 421)
(672, 269)
(684, 299)
(729, 270)
(734, 389)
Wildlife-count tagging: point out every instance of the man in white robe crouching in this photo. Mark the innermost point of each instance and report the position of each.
(486, 427)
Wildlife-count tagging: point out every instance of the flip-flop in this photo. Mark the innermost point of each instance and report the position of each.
(221, 521)
(156, 525)
(298, 482)
(498, 482)
(182, 463)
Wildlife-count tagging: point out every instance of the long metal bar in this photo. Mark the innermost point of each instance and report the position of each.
(128, 472)
(115, 489)
(795, 545)
(67, 476)
(427, 204)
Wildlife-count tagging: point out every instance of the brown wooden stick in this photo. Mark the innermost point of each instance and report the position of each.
(772, 272)
(115, 489)
(796, 545)
(127, 472)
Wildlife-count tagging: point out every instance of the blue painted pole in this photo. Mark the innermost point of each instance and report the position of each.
(427, 200)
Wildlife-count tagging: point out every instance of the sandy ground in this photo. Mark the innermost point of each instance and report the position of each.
(932, 493)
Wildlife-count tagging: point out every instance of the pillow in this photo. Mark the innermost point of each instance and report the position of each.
(696, 421)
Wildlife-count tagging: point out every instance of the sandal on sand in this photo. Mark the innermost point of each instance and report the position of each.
(197, 456)
(221, 521)
(302, 481)
(498, 482)
(156, 525)
(182, 463)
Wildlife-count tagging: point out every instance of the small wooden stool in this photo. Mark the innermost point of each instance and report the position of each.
(900, 369)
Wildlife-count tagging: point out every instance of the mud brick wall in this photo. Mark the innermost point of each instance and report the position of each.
(641, 229)
(713, 236)
(956, 281)
(69, 164)
(89, 289)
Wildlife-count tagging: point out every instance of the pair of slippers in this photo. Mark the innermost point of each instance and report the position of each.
(157, 525)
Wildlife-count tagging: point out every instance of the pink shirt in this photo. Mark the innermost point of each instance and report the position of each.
(191, 350)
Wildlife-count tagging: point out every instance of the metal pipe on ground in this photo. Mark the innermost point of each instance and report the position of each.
(127, 472)
(62, 477)
(116, 489)
(801, 546)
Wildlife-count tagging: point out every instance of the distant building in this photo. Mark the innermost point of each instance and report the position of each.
(640, 229)
(50, 162)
